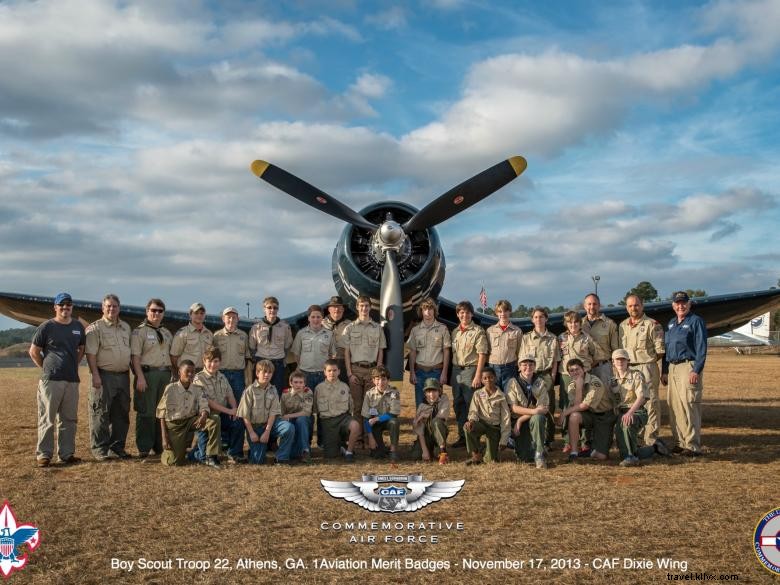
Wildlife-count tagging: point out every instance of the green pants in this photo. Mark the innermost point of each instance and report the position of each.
(180, 435)
(627, 436)
(392, 426)
(335, 432)
(435, 433)
(148, 436)
(109, 413)
(530, 441)
(492, 436)
(602, 424)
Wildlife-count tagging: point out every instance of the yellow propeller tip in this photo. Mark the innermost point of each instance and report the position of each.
(258, 167)
(518, 163)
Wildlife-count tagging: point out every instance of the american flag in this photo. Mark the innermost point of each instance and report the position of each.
(483, 298)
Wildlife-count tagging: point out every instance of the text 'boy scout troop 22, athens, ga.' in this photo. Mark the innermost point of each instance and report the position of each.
(200, 396)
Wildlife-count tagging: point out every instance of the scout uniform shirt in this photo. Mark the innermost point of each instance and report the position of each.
(364, 340)
(581, 347)
(526, 394)
(259, 404)
(313, 348)
(234, 346)
(629, 388)
(504, 344)
(467, 344)
(439, 409)
(491, 409)
(604, 333)
(293, 402)
(643, 340)
(215, 387)
(110, 344)
(594, 394)
(153, 345)
(338, 333)
(429, 341)
(189, 344)
(178, 402)
(544, 348)
(269, 342)
(377, 403)
(332, 399)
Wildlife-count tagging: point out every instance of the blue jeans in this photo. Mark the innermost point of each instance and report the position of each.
(312, 379)
(504, 373)
(302, 426)
(419, 394)
(232, 434)
(235, 443)
(462, 392)
(282, 430)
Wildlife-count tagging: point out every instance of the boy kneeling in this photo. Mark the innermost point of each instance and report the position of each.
(489, 416)
(633, 393)
(529, 397)
(182, 410)
(381, 407)
(430, 421)
(333, 403)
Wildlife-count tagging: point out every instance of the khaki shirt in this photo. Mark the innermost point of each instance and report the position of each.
(110, 344)
(259, 404)
(544, 348)
(338, 331)
(215, 388)
(275, 349)
(491, 409)
(312, 348)
(468, 344)
(594, 394)
(644, 340)
(515, 395)
(332, 399)
(364, 340)
(178, 402)
(295, 402)
(429, 343)
(234, 346)
(581, 347)
(426, 410)
(145, 343)
(504, 344)
(628, 388)
(376, 403)
(189, 344)
(604, 333)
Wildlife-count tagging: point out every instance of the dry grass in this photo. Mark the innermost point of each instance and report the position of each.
(701, 511)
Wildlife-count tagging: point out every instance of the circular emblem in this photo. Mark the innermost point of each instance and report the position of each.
(766, 541)
(458, 200)
(321, 199)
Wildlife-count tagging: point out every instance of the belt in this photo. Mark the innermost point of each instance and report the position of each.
(501, 365)
(155, 369)
(312, 372)
(463, 367)
(676, 362)
(364, 364)
(428, 368)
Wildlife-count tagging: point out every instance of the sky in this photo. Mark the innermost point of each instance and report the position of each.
(651, 130)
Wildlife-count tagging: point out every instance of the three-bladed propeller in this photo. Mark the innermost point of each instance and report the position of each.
(390, 235)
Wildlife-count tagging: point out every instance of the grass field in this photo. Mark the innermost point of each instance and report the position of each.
(701, 512)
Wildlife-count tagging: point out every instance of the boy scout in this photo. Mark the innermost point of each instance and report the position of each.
(312, 346)
(604, 333)
(261, 412)
(632, 390)
(543, 346)
(222, 404)
(592, 407)
(182, 410)
(191, 341)
(108, 357)
(528, 397)
(504, 340)
(296, 403)
(573, 344)
(430, 422)
(150, 348)
(336, 322)
(430, 344)
(271, 339)
(333, 404)
(364, 344)
(233, 345)
(381, 408)
(489, 416)
(470, 351)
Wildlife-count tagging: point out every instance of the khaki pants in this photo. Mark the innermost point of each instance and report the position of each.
(685, 406)
(148, 436)
(58, 402)
(492, 437)
(358, 389)
(627, 436)
(653, 404)
(180, 434)
(435, 433)
(393, 428)
(530, 442)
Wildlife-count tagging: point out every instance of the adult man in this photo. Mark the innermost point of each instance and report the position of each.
(470, 349)
(604, 333)
(233, 345)
(312, 346)
(364, 345)
(336, 322)
(57, 348)
(191, 341)
(108, 357)
(686, 351)
(150, 349)
(528, 398)
(429, 346)
(504, 340)
(270, 339)
(643, 339)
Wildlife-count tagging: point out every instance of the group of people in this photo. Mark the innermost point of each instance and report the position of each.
(199, 395)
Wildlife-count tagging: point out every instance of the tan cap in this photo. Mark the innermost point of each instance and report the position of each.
(227, 310)
(620, 354)
(527, 358)
(197, 307)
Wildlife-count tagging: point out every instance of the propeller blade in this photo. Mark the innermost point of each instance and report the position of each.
(391, 310)
(466, 194)
(308, 194)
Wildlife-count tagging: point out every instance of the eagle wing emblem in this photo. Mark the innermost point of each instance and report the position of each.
(361, 493)
(423, 493)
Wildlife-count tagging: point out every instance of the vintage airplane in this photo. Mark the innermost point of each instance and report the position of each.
(391, 252)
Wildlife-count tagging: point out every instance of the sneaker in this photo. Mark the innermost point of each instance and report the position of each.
(43, 462)
(72, 460)
(393, 455)
(213, 461)
(629, 461)
(566, 449)
(541, 462)
(101, 457)
(585, 452)
(677, 449)
(288, 462)
(510, 443)
(474, 461)
(349, 457)
(460, 443)
(119, 455)
(690, 453)
(660, 447)
(444, 458)
(573, 458)
(306, 458)
(596, 455)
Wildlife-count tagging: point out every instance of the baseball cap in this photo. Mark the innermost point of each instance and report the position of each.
(197, 307)
(62, 297)
(225, 311)
(620, 354)
(680, 296)
(431, 384)
(528, 358)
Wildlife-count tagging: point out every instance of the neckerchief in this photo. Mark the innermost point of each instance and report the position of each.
(270, 327)
(156, 330)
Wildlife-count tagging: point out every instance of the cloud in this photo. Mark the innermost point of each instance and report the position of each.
(392, 18)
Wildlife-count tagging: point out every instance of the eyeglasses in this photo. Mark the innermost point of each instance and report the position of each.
(156, 310)
(272, 308)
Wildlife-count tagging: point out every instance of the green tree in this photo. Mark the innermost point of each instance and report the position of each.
(644, 290)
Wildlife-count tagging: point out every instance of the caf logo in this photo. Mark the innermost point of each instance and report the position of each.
(415, 494)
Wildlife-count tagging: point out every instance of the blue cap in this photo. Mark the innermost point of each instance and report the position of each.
(62, 298)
